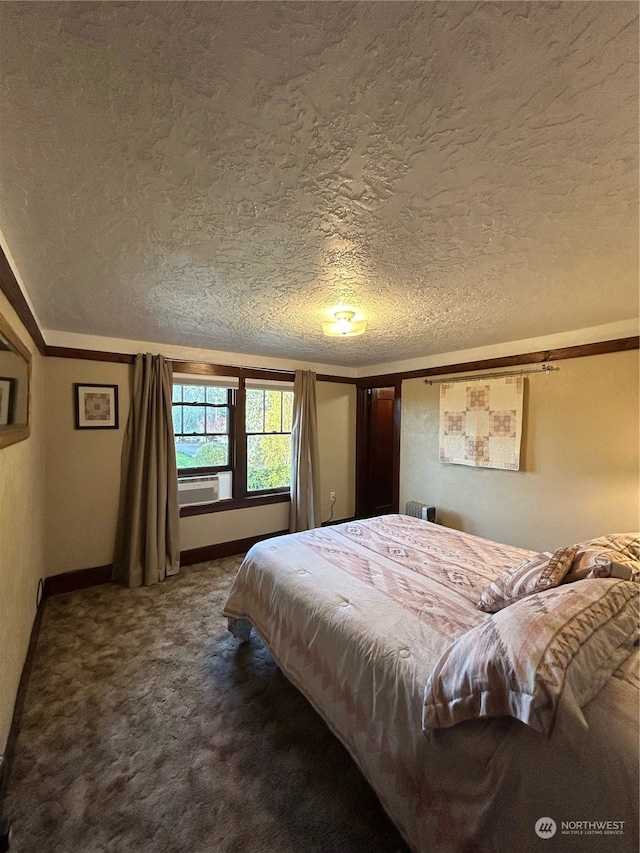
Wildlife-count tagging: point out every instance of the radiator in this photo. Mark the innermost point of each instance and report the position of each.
(420, 510)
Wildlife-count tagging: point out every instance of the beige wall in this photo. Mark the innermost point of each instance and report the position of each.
(337, 447)
(21, 537)
(579, 474)
(83, 467)
(83, 472)
(197, 531)
(579, 464)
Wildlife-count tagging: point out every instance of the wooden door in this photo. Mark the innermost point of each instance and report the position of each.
(378, 450)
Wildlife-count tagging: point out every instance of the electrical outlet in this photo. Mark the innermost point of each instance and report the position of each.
(332, 496)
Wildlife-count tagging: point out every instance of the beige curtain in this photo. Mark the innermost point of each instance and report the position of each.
(305, 466)
(147, 546)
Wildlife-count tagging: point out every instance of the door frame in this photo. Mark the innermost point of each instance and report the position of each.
(364, 387)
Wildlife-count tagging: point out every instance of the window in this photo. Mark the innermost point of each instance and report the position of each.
(202, 427)
(238, 426)
(268, 434)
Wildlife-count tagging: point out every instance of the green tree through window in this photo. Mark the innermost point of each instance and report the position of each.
(201, 424)
(211, 436)
(268, 429)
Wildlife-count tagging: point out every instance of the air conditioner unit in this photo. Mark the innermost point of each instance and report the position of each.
(194, 491)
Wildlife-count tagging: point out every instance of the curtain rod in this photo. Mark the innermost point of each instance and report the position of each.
(544, 368)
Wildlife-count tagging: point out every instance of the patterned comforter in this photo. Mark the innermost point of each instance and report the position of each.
(357, 615)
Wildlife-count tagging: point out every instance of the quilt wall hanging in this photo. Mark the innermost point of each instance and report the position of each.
(481, 422)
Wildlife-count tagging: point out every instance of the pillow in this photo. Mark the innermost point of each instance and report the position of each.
(533, 575)
(608, 556)
(624, 543)
(548, 653)
(602, 563)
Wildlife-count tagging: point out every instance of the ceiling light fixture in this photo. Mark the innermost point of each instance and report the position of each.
(344, 325)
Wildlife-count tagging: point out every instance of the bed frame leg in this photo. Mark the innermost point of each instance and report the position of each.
(240, 628)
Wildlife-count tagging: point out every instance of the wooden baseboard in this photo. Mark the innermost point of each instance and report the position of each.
(223, 549)
(338, 521)
(85, 578)
(80, 579)
(4, 768)
(7, 758)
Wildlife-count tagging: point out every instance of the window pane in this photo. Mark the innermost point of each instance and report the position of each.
(273, 411)
(193, 393)
(177, 393)
(202, 452)
(186, 449)
(176, 411)
(255, 410)
(268, 461)
(217, 420)
(193, 419)
(287, 410)
(216, 395)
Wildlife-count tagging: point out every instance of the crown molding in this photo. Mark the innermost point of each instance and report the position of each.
(12, 290)
(207, 362)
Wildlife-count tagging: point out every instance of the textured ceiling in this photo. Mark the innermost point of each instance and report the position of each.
(219, 175)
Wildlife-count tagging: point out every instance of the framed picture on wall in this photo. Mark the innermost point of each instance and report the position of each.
(96, 406)
(7, 399)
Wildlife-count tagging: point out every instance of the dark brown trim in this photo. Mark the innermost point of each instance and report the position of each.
(239, 503)
(224, 549)
(379, 380)
(362, 448)
(11, 434)
(338, 521)
(397, 414)
(12, 291)
(538, 357)
(79, 579)
(85, 578)
(599, 348)
(207, 369)
(239, 481)
(328, 377)
(14, 294)
(198, 368)
(89, 355)
(362, 444)
(18, 707)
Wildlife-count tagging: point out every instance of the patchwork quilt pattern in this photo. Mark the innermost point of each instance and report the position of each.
(481, 422)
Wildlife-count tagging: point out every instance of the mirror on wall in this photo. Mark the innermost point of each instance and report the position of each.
(15, 375)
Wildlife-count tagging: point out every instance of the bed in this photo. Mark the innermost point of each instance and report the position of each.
(360, 618)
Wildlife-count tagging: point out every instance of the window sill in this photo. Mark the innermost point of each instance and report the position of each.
(242, 503)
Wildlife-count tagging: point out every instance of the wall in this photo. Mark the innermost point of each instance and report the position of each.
(22, 472)
(83, 472)
(337, 447)
(579, 465)
(83, 467)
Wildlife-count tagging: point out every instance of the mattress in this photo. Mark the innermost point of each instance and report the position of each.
(357, 615)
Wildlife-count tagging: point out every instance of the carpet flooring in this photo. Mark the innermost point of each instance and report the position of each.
(147, 728)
